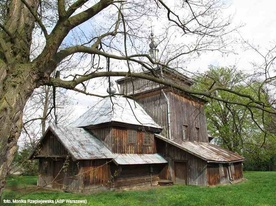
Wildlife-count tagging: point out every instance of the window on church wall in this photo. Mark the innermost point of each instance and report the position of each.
(132, 136)
(185, 132)
(147, 139)
(197, 133)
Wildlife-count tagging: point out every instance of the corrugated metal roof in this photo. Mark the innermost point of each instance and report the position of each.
(136, 159)
(116, 109)
(206, 151)
(81, 144)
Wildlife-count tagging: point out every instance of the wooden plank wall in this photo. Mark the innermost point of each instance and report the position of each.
(94, 172)
(238, 171)
(102, 133)
(183, 111)
(190, 113)
(51, 146)
(156, 106)
(196, 168)
(213, 174)
(45, 177)
(219, 173)
(136, 175)
(120, 142)
(134, 86)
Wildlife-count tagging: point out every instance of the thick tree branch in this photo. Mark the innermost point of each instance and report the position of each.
(61, 9)
(71, 84)
(89, 13)
(6, 31)
(91, 50)
(76, 5)
(37, 19)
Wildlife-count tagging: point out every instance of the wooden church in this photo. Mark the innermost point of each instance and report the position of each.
(150, 134)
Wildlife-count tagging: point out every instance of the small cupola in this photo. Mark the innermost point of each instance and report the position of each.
(153, 51)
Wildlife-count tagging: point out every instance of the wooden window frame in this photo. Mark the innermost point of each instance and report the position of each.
(197, 133)
(131, 136)
(185, 132)
(147, 139)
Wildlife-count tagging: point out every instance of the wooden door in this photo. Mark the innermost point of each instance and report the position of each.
(58, 174)
(213, 174)
(180, 169)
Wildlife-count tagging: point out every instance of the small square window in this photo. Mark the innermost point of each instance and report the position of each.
(147, 139)
(131, 136)
(197, 133)
(185, 132)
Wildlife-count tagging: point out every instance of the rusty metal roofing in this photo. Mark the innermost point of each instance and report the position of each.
(116, 109)
(81, 144)
(136, 159)
(206, 151)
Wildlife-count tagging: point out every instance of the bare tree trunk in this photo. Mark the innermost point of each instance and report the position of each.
(45, 109)
(14, 93)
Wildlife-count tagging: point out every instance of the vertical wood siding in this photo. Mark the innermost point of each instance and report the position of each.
(156, 106)
(184, 112)
(136, 175)
(135, 85)
(213, 174)
(94, 172)
(121, 144)
(238, 168)
(45, 177)
(51, 146)
(195, 167)
(102, 133)
(189, 113)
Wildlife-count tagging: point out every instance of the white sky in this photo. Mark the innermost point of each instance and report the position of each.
(259, 20)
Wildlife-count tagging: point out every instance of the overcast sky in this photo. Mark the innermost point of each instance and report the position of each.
(259, 20)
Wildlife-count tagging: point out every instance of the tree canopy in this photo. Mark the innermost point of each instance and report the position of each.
(239, 127)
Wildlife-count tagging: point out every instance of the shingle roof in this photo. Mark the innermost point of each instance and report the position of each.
(116, 109)
(206, 151)
(82, 145)
(79, 143)
(136, 159)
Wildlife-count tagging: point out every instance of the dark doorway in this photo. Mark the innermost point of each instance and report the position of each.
(180, 169)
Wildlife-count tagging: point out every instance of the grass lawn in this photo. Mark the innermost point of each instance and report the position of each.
(258, 189)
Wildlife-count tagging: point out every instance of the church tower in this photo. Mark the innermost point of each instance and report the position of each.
(180, 114)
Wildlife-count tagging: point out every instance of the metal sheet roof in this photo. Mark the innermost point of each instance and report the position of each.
(116, 109)
(81, 144)
(136, 159)
(206, 151)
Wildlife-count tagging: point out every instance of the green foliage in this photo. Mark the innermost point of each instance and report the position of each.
(258, 189)
(23, 164)
(237, 115)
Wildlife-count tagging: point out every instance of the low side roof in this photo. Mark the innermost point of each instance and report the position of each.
(136, 159)
(79, 143)
(116, 109)
(206, 151)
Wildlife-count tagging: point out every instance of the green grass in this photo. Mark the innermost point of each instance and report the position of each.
(259, 189)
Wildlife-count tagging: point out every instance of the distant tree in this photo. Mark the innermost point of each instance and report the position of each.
(238, 127)
(47, 105)
(23, 164)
